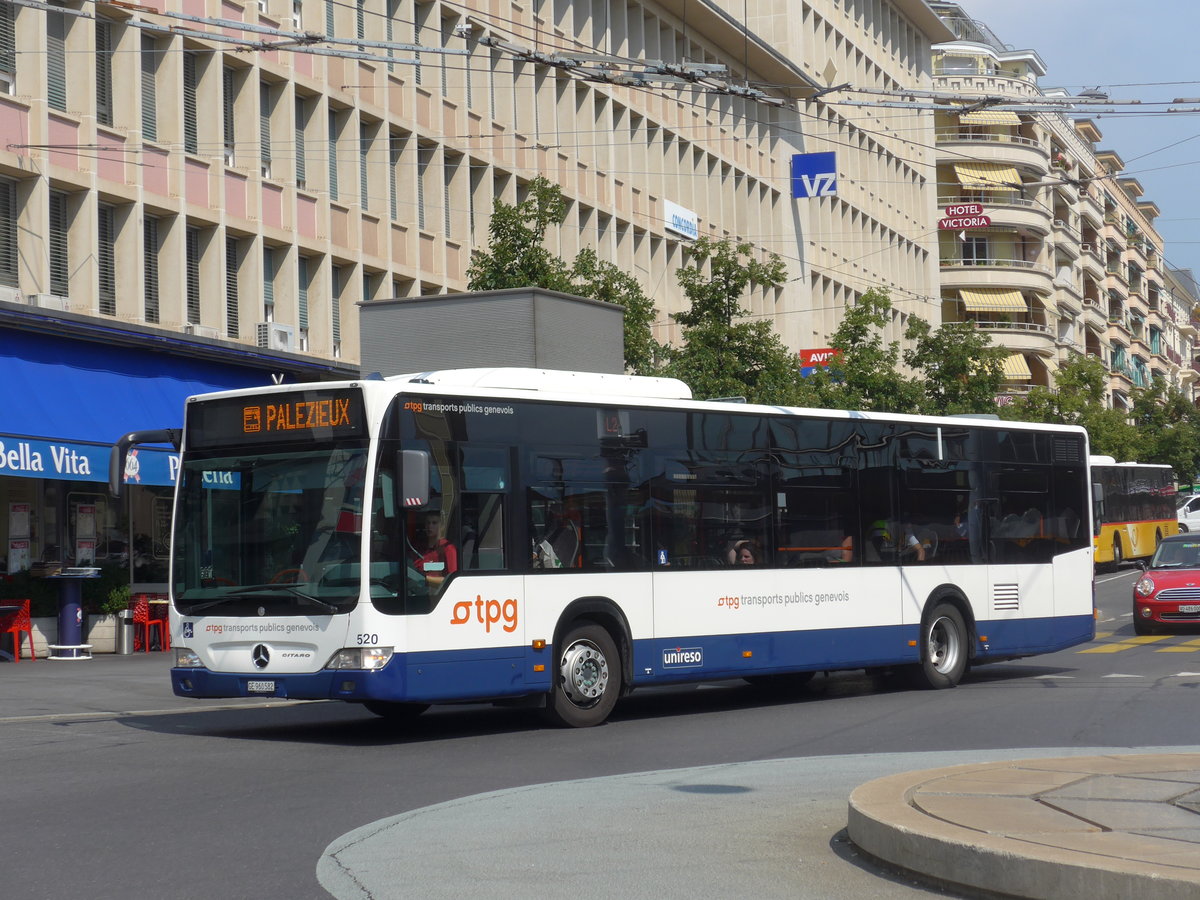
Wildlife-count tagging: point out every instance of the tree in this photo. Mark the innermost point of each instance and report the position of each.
(1169, 428)
(958, 369)
(601, 280)
(1078, 399)
(516, 258)
(721, 357)
(865, 373)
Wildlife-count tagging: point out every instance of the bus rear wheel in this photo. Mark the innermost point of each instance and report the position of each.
(395, 712)
(1117, 555)
(587, 678)
(943, 648)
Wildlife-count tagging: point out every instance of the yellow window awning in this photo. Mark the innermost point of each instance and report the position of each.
(993, 300)
(987, 176)
(989, 117)
(1047, 303)
(1016, 369)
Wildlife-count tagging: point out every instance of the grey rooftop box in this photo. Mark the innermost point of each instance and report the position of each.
(527, 327)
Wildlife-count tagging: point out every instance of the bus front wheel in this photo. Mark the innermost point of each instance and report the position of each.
(943, 648)
(1117, 555)
(587, 678)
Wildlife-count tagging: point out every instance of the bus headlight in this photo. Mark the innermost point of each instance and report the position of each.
(186, 659)
(360, 658)
(1144, 587)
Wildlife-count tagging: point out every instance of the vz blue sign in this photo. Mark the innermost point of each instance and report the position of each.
(814, 174)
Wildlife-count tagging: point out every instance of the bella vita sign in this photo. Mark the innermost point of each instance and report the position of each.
(67, 461)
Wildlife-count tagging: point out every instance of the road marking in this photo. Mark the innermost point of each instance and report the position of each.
(1049, 677)
(1186, 647)
(1120, 675)
(1128, 643)
(1118, 576)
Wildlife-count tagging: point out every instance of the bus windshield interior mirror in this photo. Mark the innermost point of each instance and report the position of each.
(414, 466)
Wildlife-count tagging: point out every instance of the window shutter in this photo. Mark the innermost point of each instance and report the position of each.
(103, 72)
(364, 146)
(301, 122)
(8, 233)
(232, 318)
(394, 165)
(231, 288)
(269, 283)
(192, 263)
(302, 291)
(60, 264)
(333, 166)
(335, 306)
(56, 60)
(150, 266)
(106, 260)
(190, 140)
(264, 127)
(227, 112)
(8, 40)
(149, 90)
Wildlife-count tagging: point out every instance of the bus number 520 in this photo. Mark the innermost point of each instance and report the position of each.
(364, 639)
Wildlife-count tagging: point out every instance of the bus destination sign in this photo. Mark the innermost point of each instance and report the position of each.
(314, 415)
(296, 415)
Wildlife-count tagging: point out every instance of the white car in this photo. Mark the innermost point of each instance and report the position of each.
(1189, 514)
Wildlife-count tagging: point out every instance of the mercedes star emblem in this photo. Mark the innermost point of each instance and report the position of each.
(261, 656)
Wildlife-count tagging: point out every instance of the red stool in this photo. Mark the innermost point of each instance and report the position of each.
(147, 615)
(16, 622)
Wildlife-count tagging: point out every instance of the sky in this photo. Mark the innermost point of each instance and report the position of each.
(1131, 51)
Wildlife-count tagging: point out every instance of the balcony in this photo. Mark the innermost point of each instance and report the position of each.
(1018, 274)
(1021, 337)
(996, 147)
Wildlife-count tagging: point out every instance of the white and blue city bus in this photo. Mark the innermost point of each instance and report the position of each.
(493, 534)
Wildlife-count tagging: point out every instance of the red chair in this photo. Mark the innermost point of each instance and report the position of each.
(146, 615)
(14, 623)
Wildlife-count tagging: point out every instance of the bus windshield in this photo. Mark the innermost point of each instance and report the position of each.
(270, 533)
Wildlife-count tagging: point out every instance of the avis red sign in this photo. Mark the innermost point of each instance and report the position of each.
(821, 357)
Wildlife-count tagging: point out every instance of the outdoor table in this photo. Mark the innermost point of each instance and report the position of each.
(70, 614)
(4, 611)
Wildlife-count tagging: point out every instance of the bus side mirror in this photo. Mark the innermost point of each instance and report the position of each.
(414, 480)
(120, 451)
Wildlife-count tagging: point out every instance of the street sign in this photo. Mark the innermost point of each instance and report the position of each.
(954, 223)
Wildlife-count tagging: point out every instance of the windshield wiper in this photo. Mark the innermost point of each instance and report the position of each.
(264, 590)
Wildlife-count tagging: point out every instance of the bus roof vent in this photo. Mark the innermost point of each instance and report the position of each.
(554, 381)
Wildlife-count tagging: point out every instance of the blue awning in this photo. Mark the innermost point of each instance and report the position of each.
(64, 402)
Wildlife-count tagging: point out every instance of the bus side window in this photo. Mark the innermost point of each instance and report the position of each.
(483, 532)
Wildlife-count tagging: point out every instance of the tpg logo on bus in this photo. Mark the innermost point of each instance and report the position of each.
(683, 658)
(814, 174)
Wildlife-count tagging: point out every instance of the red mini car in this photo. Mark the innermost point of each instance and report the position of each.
(1168, 593)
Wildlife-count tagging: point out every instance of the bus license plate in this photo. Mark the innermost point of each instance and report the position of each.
(1190, 607)
(260, 687)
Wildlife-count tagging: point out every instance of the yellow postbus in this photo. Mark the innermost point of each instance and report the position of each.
(1133, 509)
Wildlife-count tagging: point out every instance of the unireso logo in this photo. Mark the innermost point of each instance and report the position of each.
(683, 657)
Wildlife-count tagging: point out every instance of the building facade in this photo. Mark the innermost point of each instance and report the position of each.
(250, 172)
(1070, 261)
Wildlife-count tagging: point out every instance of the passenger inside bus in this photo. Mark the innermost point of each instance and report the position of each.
(745, 553)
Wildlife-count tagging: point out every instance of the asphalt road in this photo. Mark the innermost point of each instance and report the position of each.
(184, 801)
